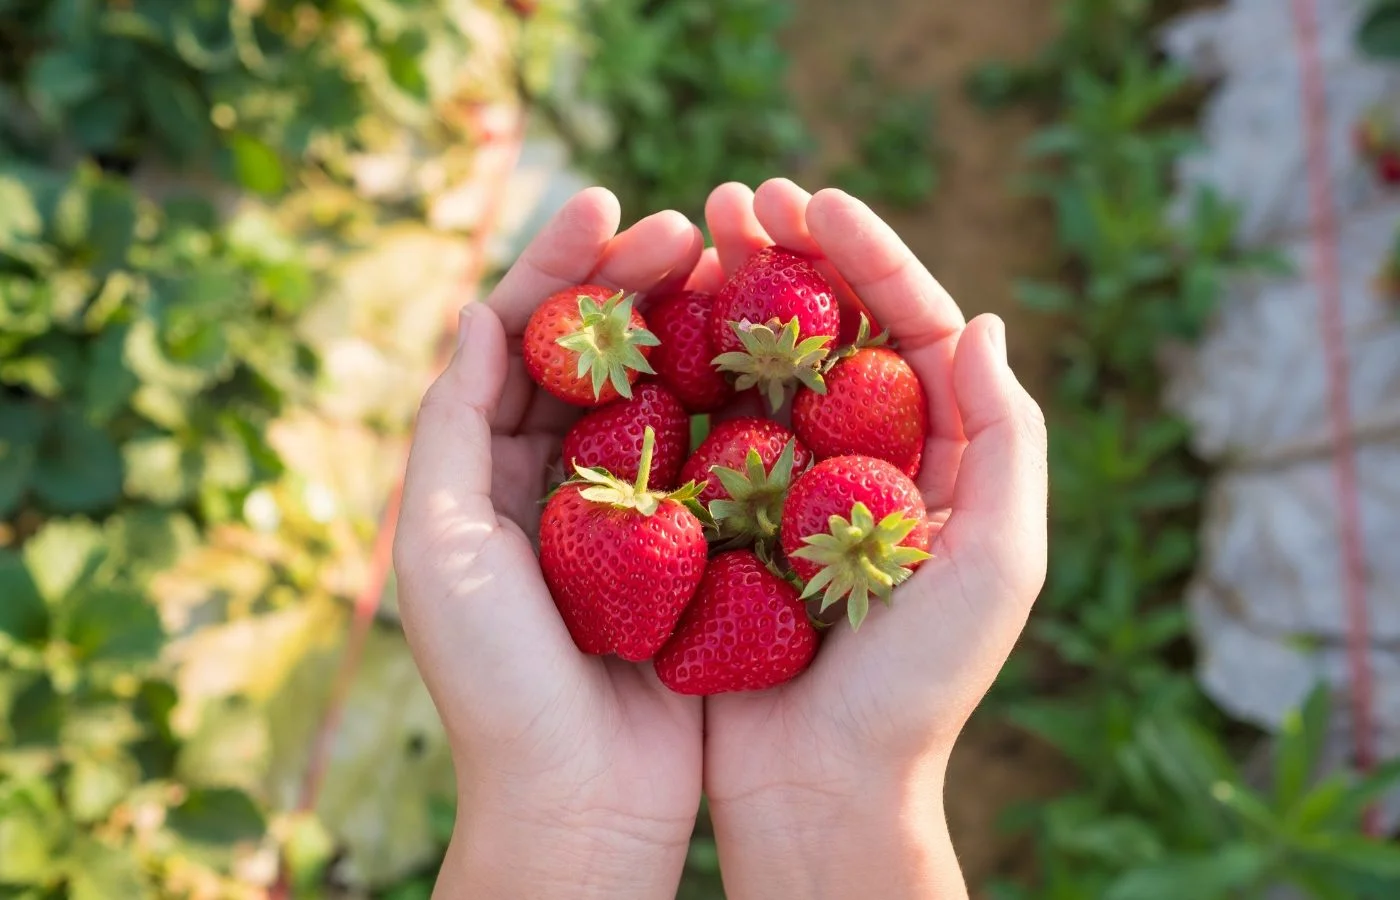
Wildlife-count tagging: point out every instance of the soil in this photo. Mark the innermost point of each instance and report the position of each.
(978, 236)
(975, 233)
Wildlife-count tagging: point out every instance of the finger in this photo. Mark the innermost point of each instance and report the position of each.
(780, 206)
(733, 225)
(449, 464)
(708, 275)
(562, 254)
(997, 526)
(884, 272)
(644, 255)
(900, 294)
(680, 275)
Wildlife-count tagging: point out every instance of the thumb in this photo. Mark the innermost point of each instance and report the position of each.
(451, 456)
(998, 519)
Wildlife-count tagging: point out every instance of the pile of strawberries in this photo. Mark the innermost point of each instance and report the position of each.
(705, 561)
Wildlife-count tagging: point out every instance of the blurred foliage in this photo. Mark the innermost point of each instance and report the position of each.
(1162, 810)
(147, 339)
(896, 159)
(678, 96)
(1379, 34)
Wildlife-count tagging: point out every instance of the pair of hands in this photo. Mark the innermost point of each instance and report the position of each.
(581, 776)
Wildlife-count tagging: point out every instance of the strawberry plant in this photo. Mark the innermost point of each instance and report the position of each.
(148, 312)
(694, 96)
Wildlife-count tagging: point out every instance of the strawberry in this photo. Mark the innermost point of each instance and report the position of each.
(682, 360)
(745, 466)
(610, 438)
(1388, 167)
(586, 345)
(773, 323)
(874, 406)
(854, 526)
(746, 631)
(622, 561)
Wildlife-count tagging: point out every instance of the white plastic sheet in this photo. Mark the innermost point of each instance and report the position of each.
(1268, 601)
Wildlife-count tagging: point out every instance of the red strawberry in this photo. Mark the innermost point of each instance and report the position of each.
(774, 322)
(621, 561)
(682, 360)
(587, 346)
(854, 526)
(874, 406)
(746, 631)
(1388, 167)
(611, 437)
(746, 466)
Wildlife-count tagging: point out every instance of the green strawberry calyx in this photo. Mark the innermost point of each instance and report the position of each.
(607, 344)
(773, 359)
(754, 508)
(602, 487)
(864, 339)
(860, 557)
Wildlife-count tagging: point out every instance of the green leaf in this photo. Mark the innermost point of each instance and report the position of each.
(176, 110)
(256, 165)
(98, 871)
(108, 383)
(62, 555)
(20, 221)
(231, 747)
(95, 786)
(58, 80)
(30, 832)
(21, 425)
(1379, 33)
(111, 224)
(216, 818)
(80, 469)
(1200, 877)
(23, 615)
(1299, 747)
(36, 715)
(114, 625)
(157, 469)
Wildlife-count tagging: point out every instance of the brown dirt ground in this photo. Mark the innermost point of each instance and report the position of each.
(977, 237)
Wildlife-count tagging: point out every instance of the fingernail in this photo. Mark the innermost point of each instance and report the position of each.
(464, 323)
(996, 336)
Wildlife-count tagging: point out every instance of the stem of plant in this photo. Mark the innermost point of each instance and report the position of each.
(644, 467)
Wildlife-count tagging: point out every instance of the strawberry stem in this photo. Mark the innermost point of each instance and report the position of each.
(644, 466)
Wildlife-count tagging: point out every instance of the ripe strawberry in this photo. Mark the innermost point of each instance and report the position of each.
(745, 467)
(621, 561)
(874, 406)
(774, 322)
(682, 360)
(586, 345)
(746, 631)
(854, 526)
(611, 437)
(1388, 167)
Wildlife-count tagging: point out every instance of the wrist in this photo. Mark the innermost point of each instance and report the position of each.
(875, 835)
(510, 851)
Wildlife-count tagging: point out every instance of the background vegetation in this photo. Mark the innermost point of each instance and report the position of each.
(178, 185)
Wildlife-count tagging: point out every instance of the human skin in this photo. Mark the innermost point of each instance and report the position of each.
(580, 776)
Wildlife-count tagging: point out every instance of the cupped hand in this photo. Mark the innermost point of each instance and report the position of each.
(861, 739)
(592, 753)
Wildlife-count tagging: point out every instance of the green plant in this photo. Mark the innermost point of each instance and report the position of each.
(693, 95)
(1379, 32)
(896, 158)
(148, 305)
